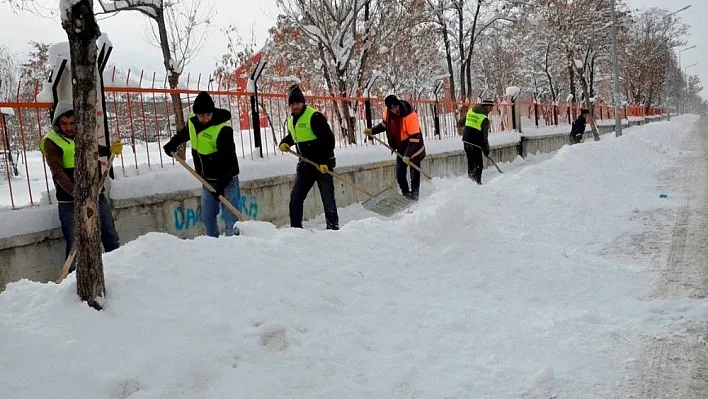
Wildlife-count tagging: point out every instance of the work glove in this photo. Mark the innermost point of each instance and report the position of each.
(219, 188)
(169, 149)
(284, 147)
(323, 168)
(117, 147)
(407, 160)
(367, 132)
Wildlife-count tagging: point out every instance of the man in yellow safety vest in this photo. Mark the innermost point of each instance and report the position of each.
(310, 133)
(59, 150)
(211, 137)
(476, 138)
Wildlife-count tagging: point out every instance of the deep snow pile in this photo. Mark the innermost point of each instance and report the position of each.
(496, 291)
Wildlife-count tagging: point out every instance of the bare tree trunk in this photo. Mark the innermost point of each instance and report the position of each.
(470, 49)
(588, 106)
(448, 57)
(571, 76)
(547, 70)
(461, 48)
(172, 78)
(348, 118)
(83, 31)
(330, 85)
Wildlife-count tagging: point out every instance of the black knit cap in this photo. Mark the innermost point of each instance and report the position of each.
(391, 101)
(203, 104)
(295, 95)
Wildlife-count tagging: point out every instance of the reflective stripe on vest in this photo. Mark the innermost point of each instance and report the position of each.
(302, 132)
(474, 120)
(204, 142)
(67, 145)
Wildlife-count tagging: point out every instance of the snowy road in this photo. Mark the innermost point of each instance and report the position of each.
(675, 242)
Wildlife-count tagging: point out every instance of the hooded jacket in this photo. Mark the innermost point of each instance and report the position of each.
(403, 131)
(62, 176)
(220, 167)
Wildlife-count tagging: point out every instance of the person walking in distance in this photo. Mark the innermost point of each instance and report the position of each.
(475, 137)
(310, 133)
(209, 132)
(400, 122)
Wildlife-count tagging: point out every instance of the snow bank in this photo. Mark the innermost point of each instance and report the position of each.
(480, 292)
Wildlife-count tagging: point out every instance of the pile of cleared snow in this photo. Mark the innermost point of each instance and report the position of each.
(481, 292)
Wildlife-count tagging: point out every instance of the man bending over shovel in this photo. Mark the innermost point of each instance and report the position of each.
(400, 122)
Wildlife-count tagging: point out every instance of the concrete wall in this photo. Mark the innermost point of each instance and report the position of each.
(39, 256)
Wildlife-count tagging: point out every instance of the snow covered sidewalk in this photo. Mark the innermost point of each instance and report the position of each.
(499, 291)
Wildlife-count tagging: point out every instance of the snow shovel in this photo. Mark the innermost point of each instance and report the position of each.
(488, 157)
(74, 249)
(412, 165)
(386, 203)
(209, 187)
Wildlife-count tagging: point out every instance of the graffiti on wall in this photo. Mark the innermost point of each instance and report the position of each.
(187, 218)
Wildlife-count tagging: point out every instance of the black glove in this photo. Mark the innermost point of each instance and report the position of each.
(169, 148)
(486, 151)
(332, 163)
(220, 188)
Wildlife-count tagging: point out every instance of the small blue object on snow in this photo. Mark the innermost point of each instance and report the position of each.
(663, 195)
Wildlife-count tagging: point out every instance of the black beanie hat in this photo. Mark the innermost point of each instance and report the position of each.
(295, 95)
(203, 104)
(391, 101)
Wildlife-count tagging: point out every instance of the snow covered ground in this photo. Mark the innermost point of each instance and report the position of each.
(495, 291)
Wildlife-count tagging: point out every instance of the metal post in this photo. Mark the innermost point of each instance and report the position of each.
(436, 111)
(255, 115)
(367, 106)
(615, 71)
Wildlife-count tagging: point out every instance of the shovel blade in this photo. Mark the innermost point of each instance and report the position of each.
(387, 203)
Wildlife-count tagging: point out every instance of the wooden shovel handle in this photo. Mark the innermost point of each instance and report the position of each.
(336, 176)
(427, 176)
(209, 187)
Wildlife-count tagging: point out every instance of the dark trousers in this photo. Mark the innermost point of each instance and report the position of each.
(109, 235)
(304, 180)
(402, 177)
(576, 138)
(475, 162)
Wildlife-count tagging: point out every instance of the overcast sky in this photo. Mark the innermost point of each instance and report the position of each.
(127, 31)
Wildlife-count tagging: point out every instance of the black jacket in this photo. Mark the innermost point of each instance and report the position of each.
(578, 126)
(413, 146)
(320, 150)
(478, 137)
(220, 167)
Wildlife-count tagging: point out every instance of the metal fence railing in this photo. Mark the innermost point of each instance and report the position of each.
(143, 118)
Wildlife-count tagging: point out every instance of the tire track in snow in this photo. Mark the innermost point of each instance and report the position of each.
(676, 366)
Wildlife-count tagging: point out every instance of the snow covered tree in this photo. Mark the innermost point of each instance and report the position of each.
(408, 64)
(36, 68)
(497, 63)
(332, 25)
(461, 24)
(178, 27)
(342, 36)
(9, 74)
(647, 54)
(80, 24)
